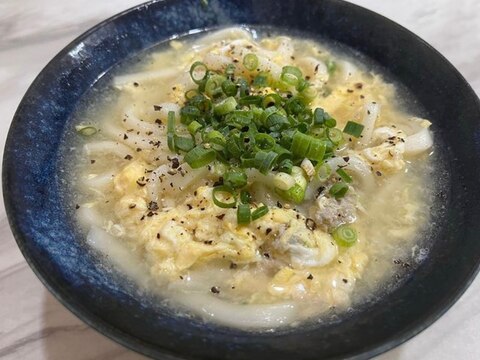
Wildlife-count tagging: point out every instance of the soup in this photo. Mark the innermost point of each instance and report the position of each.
(257, 181)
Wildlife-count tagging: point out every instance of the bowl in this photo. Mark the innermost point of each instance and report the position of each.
(102, 298)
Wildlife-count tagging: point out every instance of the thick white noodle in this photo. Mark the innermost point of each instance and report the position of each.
(250, 316)
(216, 62)
(314, 68)
(107, 147)
(371, 114)
(148, 76)
(418, 143)
(357, 166)
(99, 181)
(226, 34)
(118, 254)
(131, 121)
(88, 216)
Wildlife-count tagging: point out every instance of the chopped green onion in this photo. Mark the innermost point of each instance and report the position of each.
(188, 114)
(260, 81)
(295, 194)
(286, 166)
(213, 86)
(230, 70)
(171, 130)
(264, 141)
(229, 88)
(199, 156)
(198, 72)
(228, 193)
(264, 161)
(245, 197)
(329, 121)
(343, 174)
(250, 61)
(250, 100)
(184, 143)
(86, 130)
(338, 190)
(345, 235)
(244, 215)
(353, 128)
(324, 171)
(316, 150)
(283, 181)
(215, 137)
(235, 179)
(190, 94)
(243, 87)
(225, 106)
(194, 127)
(291, 75)
(271, 100)
(318, 116)
(335, 135)
(259, 212)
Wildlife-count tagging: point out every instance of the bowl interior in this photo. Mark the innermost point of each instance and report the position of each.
(106, 301)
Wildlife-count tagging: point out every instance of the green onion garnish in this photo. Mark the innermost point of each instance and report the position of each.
(338, 190)
(259, 212)
(250, 61)
(245, 197)
(86, 130)
(226, 193)
(343, 174)
(335, 135)
(233, 122)
(243, 214)
(183, 143)
(171, 130)
(225, 106)
(199, 156)
(353, 128)
(345, 235)
(194, 127)
(235, 179)
(198, 72)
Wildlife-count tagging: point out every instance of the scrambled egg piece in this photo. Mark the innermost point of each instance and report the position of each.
(197, 231)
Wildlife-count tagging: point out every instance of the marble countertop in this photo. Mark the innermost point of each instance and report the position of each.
(34, 325)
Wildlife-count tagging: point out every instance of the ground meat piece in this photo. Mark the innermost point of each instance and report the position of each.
(329, 212)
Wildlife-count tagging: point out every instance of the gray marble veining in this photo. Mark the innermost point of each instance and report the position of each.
(33, 325)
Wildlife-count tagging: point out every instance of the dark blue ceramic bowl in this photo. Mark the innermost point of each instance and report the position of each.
(108, 303)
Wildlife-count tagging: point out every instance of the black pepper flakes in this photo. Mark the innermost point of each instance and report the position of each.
(128, 157)
(175, 163)
(378, 173)
(345, 281)
(158, 235)
(132, 206)
(233, 265)
(92, 161)
(152, 206)
(310, 277)
(208, 242)
(215, 290)
(268, 231)
(77, 206)
(157, 107)
(220, 217)
(310, 224)
(158, 121)
(135, 84)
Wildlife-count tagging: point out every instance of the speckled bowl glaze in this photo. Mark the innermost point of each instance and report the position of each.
(102, 297)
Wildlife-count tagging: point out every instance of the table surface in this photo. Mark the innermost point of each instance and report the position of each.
(34, 325)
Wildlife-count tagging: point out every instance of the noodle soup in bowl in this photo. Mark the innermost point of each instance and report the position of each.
(242, 190)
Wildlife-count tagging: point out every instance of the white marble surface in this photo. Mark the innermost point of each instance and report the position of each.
(33, 325)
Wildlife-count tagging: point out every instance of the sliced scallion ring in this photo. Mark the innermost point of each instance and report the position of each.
(228, 194)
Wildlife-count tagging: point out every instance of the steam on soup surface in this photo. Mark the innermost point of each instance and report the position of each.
(254, 181)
